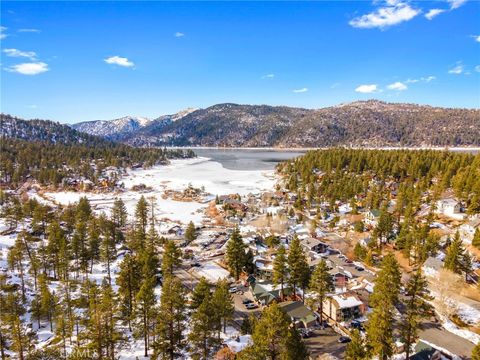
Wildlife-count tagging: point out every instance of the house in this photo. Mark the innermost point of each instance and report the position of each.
(300, 315)
(343, 307)
(449, 207)
(424, 351)
(340, 277)
(432, 266)
(371, 217)
(314, 245)
(264, 292)
(264, 267)
(468, 229)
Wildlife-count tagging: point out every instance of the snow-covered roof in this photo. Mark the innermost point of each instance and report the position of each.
(346, 301)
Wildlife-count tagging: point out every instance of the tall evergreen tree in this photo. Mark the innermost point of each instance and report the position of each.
(280, 269)
(235, 254)
(298, 266)
(417, 308)
(383, 299)
(202, 339)
(190, 232)
(171, 315)
(356, 348)
(321, 284)
(457, 258)
(119, 213)
(171, 258)
(223, 303)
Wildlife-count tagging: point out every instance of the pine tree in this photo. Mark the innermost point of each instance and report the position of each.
(190, 233)
(417, 308)
(223, 303)
(274, 338)
(200, 293)
(298, 266)
(204, 324)
(476, 352)
(321, 283)
(141, 218)
(145, 298)
(381, 319)
(119, 213)
(128, 285)
(171, 258)
(108, 308)
(280, 269)
(456, 258)
(356, 348)
(235, 254)
(171, 314)
(476, 238)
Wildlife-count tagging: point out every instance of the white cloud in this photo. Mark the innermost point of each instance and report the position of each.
(367, 88)
(477, 68)
(476, 38)
(433, 12)
(423, 79)
(179, 34)
(455, 4)
(428, 78)
(302, 90)
(29, 30)
(394, 13)
(2, 32)
(268, 76)
(18, 53)
(120, 61)
(399, 86)
(32, 68)
(457, 69)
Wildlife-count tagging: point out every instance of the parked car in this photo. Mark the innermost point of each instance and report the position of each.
(246, 301)
(305, 333)
(359, 268)
(251, 306)
(344, 339)
(233, 290)
(348, 261)
(357, 325)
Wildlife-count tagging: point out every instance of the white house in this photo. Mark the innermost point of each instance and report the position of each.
(371, 217)
(432, 266)
(468, 229)
(449, 207)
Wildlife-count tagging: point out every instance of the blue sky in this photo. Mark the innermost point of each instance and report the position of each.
(77, 61)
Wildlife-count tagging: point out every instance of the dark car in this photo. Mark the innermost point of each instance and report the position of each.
(357, 325)
(246, 301)
(344, 339)
(359, 268)
(348, 261)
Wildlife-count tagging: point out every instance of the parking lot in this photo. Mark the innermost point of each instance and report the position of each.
(323, 341)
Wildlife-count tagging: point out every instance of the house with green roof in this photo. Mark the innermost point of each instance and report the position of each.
(301, 315)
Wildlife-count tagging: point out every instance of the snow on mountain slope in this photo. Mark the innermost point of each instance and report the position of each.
(113, 129)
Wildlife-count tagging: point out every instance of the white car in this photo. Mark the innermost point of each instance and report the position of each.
(233, 290)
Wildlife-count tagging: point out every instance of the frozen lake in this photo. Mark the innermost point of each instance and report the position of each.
(248, 159)
(219, 172)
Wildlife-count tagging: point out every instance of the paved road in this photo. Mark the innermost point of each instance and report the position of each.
(435, 334)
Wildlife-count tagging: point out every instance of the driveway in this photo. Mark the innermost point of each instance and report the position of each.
(325, 341)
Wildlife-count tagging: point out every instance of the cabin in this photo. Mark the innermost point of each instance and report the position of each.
(264, 292)
(449, 207)
(300, 315)
(343, 307)
(468, 229)
(371, 217)
(340, 277)
(311, 244)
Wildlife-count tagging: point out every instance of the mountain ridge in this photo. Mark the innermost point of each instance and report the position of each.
(365, 123)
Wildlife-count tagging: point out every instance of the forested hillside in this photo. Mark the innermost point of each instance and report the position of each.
(364, 123)
(50, 152)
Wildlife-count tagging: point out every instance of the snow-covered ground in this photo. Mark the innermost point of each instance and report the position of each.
(198, 172)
